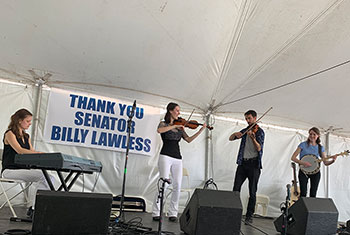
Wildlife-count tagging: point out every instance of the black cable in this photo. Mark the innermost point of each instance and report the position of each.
(210, 182)
(255, 227)
(288, 83)
(133, 226)
(18, 232)
(156, 232)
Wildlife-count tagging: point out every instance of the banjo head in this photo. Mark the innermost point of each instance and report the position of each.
(315, 166)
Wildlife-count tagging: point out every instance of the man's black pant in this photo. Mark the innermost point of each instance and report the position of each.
(303, 180)
(249, 169)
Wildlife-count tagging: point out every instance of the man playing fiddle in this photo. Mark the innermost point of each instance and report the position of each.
(249, 159)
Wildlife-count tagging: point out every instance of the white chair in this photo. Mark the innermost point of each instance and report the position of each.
(4, 191)
(263, 201)
(185, 189)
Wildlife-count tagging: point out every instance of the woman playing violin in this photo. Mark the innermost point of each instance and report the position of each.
(170, 159)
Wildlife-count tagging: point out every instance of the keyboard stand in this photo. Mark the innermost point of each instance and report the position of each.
(63, 181)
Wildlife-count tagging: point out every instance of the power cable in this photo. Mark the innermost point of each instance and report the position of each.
(255, 228)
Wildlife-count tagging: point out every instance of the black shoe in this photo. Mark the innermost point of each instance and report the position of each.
(248, 220)
(156, 218)
(30, 212)
(172, 218)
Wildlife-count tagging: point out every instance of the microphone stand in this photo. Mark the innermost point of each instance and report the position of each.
(131, 115)
(160, 197)
(285, 212)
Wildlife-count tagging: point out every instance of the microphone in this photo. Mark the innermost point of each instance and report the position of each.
(288, 191)
(166, 180)
(133, 110)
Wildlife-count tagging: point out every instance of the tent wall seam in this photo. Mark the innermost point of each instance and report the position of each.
(282, 49)
(233, 46)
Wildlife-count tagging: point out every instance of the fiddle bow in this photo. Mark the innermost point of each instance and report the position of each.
(252, 126)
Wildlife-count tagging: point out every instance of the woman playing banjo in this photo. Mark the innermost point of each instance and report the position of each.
(314, 148)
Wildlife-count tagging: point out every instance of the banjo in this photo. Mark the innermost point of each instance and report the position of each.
(315, 162)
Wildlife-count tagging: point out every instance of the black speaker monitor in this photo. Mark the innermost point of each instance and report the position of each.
(212, 212)
(310, 216)
(71, 213)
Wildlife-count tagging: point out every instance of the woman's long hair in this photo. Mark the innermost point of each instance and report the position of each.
(18, 116)
(171, 106)
(317, 131)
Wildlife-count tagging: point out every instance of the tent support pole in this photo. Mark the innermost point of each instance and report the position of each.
(327, 168)
(39, 86)
(208, 151)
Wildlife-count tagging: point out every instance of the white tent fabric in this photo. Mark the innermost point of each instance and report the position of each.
(220, 57)
(143, 173)
(160, 50)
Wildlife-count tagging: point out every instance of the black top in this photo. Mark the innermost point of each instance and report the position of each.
(8, 155)
(171, 141)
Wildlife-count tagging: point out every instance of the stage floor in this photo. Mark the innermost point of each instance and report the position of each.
(264, 224)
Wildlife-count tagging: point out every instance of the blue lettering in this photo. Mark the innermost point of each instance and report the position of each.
(87, 119)
(82, 101)
(132, 142)
(72, 101)
(114, 140)
(55, 133)
(69, 135)
(64, 133)
(110, 107)
(78, 118)
(132, 125)
(93, 138)
(124, 144)
(101, 105)
(92, 104)
(76, 136)
(103, 139)
(96, 120)
(138, 146)
(113, 120)
(147, 147)
(83, 135)
(128, 110)
(122, 108)
(121, 125)
(139, 113)
(105, 123)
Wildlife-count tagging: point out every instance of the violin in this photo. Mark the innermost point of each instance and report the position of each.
(255, 128)
(192, 124)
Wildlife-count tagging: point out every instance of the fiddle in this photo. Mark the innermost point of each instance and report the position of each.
(254, 127)
(192, 124)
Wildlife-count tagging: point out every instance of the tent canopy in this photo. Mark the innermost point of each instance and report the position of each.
(203, 54)
(222, 57)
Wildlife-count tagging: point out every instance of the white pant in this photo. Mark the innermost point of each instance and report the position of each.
(35, 176)
(167, 165)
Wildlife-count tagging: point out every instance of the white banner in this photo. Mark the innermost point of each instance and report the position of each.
(99, 122)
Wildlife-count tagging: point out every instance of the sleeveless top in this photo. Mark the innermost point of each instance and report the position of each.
(171, 141)
(8, 155)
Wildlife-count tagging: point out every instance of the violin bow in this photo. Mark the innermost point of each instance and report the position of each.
(188, 119)
(251, 127)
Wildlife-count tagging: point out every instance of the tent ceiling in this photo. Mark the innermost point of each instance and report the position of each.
(198, 53)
